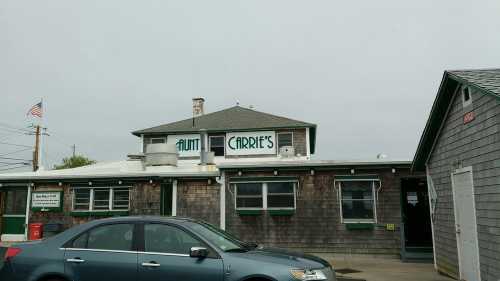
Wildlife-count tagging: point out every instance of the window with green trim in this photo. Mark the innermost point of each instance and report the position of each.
(358, 202)
(265, 195)
(101, 199)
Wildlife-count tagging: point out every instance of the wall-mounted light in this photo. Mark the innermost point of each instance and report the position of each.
(312, 172)
(90, 183)
(32, 184)
(393, 170)
(275, 172)
(352, 171)
(1, 185)
(60, 184)
(119, 182)
(240, 173)
(151, 181)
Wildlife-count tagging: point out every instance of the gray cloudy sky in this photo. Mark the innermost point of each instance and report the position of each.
(365, 71)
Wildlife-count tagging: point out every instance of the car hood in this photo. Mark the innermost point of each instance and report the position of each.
(284, 257)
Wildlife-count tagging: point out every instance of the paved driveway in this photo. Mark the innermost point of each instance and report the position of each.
(379, 269)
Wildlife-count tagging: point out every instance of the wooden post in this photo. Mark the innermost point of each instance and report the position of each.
(37, 148)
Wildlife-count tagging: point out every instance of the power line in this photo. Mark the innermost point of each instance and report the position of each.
(13, 128)
(17, 151)
(14, 163)
(6, 169)
(7, 158)
(13, 144)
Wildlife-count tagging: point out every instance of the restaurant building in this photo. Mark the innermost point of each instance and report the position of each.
(245, 171)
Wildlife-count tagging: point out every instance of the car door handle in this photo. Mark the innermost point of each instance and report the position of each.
(75, 260)
(150, 264)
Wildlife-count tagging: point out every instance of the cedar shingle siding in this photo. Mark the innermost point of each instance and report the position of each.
(473, 144)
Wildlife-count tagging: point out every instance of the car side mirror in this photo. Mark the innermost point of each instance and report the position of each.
(198, 252)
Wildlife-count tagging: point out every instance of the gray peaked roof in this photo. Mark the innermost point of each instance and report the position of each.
(487, 81)
(235, 118)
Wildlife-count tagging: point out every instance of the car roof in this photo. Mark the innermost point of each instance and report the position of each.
(144, 219)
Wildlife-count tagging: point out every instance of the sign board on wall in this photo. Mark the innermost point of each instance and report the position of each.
(187, 145)
(46, 201)
(251, 143)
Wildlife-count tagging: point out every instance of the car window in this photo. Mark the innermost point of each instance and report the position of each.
(111, 237)
(80, 242)
(161, 238)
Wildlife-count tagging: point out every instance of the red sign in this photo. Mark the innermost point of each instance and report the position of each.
(468, 117)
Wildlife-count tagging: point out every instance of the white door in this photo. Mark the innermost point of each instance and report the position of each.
(465, 224)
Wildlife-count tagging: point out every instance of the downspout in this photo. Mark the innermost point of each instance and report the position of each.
(222, 197)
(174, 198)
(431, 213)
(28, 205)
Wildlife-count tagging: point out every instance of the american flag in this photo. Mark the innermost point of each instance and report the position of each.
(35, 110)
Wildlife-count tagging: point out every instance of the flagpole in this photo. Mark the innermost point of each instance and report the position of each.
(40, 155)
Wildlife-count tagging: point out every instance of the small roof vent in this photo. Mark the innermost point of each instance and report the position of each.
(161, 154)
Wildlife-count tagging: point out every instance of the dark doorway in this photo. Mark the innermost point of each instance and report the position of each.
(166, 199)
(416, 229)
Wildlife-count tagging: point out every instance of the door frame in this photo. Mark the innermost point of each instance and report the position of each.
(469, 170)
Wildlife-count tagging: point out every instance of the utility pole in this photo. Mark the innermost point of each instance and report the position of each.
(37, 149)
(74, 149)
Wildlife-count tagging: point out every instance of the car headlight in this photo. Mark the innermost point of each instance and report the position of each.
(308, 275)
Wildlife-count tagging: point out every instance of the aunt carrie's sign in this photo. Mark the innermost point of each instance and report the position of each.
(187, 145)
(237, 143)
(251, 143)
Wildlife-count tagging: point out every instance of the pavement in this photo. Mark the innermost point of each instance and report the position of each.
(382, 269)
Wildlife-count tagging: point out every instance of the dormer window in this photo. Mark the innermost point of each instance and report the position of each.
(217, 145)
(466, 96)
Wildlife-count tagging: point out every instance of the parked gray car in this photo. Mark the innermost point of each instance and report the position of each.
(154, 249)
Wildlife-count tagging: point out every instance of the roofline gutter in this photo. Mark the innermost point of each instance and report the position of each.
(141, 132)
(404, 164)
(111, 176)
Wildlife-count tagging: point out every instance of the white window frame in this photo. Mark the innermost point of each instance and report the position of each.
(164, 139)
(374, 198)
(91, 203)
(278, 138)
(464, 102)
(223, 144)
(264, 196)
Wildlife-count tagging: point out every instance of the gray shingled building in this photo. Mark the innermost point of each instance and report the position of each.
(460, 150)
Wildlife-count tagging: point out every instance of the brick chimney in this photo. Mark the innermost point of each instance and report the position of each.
(198, 106)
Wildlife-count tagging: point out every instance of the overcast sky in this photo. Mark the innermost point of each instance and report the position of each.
(366, 72)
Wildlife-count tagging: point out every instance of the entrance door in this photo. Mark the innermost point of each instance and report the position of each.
(166, 199)
(13, 218)
(417, 232)
(465, 224)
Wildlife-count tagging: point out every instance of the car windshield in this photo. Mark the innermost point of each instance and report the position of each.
(219, 237)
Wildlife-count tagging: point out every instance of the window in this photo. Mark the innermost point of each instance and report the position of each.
(281, 195)
(15, 201)
(161, 238)
(120, 198)
(158, 140)
(101, 199)
(466, 96)
(277, 195)
(249, 195)
(81, 199)
(285, 139)
(358, 201)
(111, 237)
(217, 145)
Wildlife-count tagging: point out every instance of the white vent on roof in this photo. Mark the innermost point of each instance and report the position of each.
(161, 154)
